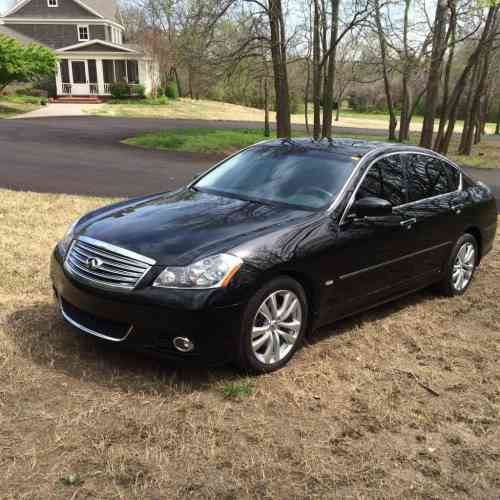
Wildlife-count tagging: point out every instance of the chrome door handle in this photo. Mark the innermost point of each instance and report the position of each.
(408, 223)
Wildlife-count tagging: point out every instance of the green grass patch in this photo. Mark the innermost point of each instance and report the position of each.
(17, 105)
(199, 140)
(149, 101)
(226, 141)
(235, 390)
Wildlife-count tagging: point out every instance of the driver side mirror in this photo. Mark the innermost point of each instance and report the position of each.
(371, 207)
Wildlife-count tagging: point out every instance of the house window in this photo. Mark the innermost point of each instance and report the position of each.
(83, 33)
(52, 3)
(133, 71)
(64, 71)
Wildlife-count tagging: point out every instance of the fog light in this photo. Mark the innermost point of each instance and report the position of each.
(183, 344)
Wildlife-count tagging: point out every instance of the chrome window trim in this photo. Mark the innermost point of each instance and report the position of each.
(401, 153)
(88, 330)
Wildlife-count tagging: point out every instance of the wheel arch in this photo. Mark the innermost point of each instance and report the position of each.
(311, 290)
(476, 232)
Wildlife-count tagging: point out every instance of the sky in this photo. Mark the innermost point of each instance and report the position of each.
(3, 5)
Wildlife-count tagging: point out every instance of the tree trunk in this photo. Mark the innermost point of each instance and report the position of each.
(447, 76)
(469, 112)
(190, 82)
(316, 74)
(497, 129)
(435, 72)
(393, 122)
(337, 113)
(278, 54)
(330, 72)
(267, 131)
(477, 102)
(306, 95)
(178, 82)
(404, 125)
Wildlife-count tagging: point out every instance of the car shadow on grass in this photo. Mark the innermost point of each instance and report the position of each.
(43, 337)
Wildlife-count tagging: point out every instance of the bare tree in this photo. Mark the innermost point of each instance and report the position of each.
(488, 32)
(393, 122)
(439, 42)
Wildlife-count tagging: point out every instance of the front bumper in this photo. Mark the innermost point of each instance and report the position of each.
(130, 320)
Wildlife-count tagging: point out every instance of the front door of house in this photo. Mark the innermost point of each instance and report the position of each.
(80, 78)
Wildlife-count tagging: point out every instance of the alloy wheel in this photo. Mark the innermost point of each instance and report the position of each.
(276, 326)
(463, 266)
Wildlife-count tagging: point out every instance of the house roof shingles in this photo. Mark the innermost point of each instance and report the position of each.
(107, 8)
(24, 40)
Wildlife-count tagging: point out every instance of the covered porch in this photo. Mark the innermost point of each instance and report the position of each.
(79, 76)
(91, 68)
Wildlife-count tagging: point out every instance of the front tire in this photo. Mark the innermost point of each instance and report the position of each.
(274, 323)
(460, 267)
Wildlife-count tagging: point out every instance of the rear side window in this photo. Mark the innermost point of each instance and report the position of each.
(385, 180)
(428, 177)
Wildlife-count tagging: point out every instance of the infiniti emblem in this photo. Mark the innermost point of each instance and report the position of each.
(94, 263)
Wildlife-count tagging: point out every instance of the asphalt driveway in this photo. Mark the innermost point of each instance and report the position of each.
(83, 155)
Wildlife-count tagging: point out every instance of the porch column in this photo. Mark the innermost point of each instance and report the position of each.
(70, 68)
(59, 78)
(100, 77)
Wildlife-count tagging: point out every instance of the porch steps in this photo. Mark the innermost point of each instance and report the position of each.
(78, 100)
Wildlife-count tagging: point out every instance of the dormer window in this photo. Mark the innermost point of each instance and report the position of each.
(52, 3)
(83, 33)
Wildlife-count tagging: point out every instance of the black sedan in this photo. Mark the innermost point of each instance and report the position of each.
(281, 238)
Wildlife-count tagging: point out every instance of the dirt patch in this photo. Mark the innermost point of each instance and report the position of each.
(346, 419)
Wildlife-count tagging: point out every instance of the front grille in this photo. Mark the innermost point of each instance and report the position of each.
(105, 265)
(104, 328)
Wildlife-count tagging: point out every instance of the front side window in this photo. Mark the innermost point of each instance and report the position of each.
(429, 176)
(83, 33)
(52, 3)
(307, 179)
(386, 180)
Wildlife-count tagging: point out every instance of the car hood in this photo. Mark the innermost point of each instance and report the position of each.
(177, 228)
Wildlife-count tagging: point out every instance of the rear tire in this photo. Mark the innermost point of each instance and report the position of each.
(274, 323)
(460, 267)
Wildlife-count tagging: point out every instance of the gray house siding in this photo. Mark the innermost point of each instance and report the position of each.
(67, 10)
(57, 36)
(97, 32)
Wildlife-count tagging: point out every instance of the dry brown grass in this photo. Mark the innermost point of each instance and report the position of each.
(346, 419)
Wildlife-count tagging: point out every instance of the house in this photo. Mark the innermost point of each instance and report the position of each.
(87, 38)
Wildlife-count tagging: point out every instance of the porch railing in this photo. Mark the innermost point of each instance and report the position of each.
(66, 88)
(93, 89)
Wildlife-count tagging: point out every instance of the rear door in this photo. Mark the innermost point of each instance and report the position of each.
(434, 201)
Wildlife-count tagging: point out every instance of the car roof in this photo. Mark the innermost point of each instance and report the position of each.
(343, 146)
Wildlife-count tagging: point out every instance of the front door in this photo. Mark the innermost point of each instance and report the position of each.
(373, 256)
(80, 78)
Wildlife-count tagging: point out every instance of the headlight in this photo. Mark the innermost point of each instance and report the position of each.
(68, 237)
(212, 272)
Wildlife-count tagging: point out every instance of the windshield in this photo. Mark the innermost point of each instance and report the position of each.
(309, 179)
